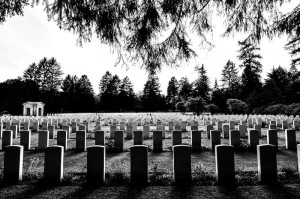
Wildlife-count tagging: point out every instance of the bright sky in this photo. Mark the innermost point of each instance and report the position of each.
(29, 38)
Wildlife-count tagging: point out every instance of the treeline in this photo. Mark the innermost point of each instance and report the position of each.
(245, 93)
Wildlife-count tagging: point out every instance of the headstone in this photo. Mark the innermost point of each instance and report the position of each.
(100, 138)
(146, 132)
(208, 128)
(195, 123)
(82, 128)
(55, 123)
(224, 157)
(119, 141)
(225, 130)
(74, 127)
(26, 126)
(296, 125)
(284, 125)
(272, 137)
(158, 123)
(68, 130)
(7, 138)
(98, 126)
(220, 123)
(162, 128)
(43, 139)
(253, 138)
(196, 140)
(86, 124)
(14, 131)
(258, 128)
(267, 163)
(231, 125)
(215, 139)
(176, 138)
(157, 141)
(113, 129)
(53, 164)
(182, 164)
(96, 164)
(243, 129)
(81, 141)
(139, 164)
(134, 126)
(290, 139)
(13, 164)
(122, 126)
(194, 128)
(129, 132)
(62, 139)
(25, 139)
(234, 138)
(138, 138)
(177, 127)
(45, 126)
(115, 122)
(139, 122)
(51, 129)
(272, 126)
(250, 123)
(278, 122)
(183, 126)
(171, 126)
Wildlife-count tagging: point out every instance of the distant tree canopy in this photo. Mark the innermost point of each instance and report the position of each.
(47, 74)
(157, 33)
(237, 106)
(195, 105)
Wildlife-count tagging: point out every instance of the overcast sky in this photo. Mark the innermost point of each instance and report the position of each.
(29, 38)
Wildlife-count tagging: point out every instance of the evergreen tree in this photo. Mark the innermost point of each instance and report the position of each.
(172, 94)
(126, 95)
(185, 89)
(252, 67)
(86, 94)
(201, 85)
(151, 94)
(230, 79)
(47, 74)
(106, 78)
(70, 95)
(110, 87)
(218, 97)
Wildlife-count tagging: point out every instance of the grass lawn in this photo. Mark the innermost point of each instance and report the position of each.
(160, 166)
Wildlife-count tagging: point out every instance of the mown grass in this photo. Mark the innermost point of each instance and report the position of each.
(116, 177)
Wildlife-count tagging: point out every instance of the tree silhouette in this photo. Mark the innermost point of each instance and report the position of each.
(201, 85)
(185, 89)
(152, 100)
(126, 95)
(252, 67)
(47, 74)
(230, 79)
(172, 94)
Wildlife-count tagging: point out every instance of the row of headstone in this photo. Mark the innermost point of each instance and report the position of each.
(158, 136)
(182, 174)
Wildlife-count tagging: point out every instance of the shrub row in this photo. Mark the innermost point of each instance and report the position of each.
(292, 109)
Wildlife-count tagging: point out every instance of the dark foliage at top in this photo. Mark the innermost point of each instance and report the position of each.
(156, 33)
